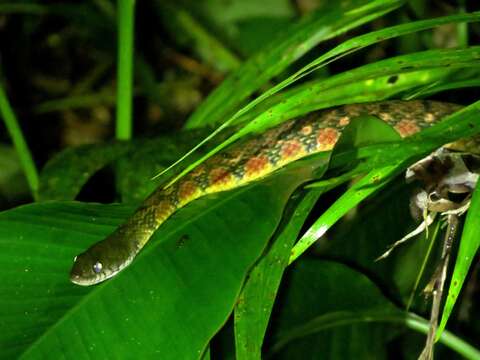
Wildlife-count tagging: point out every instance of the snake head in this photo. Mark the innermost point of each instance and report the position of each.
(98, 263)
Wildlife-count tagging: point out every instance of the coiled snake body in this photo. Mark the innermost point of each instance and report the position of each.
(240, 164)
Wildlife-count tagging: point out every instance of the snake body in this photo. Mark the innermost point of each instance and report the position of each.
(239, 164)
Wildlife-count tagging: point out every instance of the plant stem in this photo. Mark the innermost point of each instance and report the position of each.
(126, 11)
(447, 338)
(19, 142)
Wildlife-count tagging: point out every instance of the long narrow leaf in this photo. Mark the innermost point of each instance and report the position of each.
(370, 183)
(19, 142)
(349, 46)
(255, 303)
(314, 29)
(318, 27)
(126, 16)
(469, 245)
(311, 98)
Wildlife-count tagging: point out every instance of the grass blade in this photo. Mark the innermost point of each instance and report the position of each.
(126, 14)
(19, 142)
(469, 246)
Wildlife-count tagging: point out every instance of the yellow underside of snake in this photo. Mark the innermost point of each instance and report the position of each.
(240, 164)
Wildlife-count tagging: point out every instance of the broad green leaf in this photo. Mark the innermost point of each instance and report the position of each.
(174, 288)
(331, 322)
(316, 289)
(364, 234)
(338, 303)
(360, 42)
(469, 244)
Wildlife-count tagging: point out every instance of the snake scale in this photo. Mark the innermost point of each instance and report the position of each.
(242, 163)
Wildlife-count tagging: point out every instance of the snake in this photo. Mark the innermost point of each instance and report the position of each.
(242, 163)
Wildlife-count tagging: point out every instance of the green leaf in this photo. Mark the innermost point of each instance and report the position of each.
(248, 24)
(362, 326)
(65, 174)
(135, 170)
(135, 164)
(368, 88)
(13, 183)
(328, 302)
(299, 105)
(183, 25)
(469, 244)
(221, 102)
(335, 89)
(384, 87)
(370, 183)
(277, 55)
(362, 131)
(174, 288)
(384, 162)
(365, 130)
(255, 303)
(308, 99)
(317, 289)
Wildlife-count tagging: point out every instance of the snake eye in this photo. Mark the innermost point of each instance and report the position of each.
(97, 267)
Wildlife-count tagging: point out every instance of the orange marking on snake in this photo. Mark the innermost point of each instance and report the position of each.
(255, 165)
(407, 127)
(187, 189)
(327, 138)
(290, 149)
(219, 176)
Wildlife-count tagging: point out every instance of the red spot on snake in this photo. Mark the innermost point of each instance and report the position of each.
(407, 127)
(326, 138)
(187, 189)
(255, 165)
(290, 149)
(220, 176)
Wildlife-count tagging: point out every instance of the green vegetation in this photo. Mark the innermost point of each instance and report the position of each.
(240, 274)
